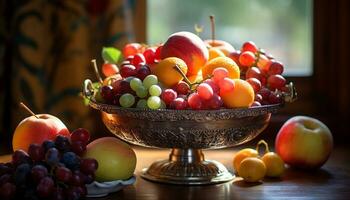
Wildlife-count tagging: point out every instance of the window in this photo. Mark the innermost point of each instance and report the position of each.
(282, 27)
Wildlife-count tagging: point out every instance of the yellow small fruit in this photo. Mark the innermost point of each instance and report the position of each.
(241, 155)
(252, 169)
(274, 164)
(166, 72)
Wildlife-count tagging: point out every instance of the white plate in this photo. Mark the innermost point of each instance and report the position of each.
(101, 189)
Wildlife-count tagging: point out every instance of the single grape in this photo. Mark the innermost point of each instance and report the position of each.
(48, 144)
(131, 49)
(155, 90)
(88, 165)
(247, 58)
(52, 156)
(179, 104)
(253, 72)
(264, 63)
(142, 72)
(255, 83)
(128, 70)
(276, 82)
(249, 46)
(125, 87)
(109, 69)
(71, 160)
(36, 152)
(138, 58)
(19, 157)
(258, 98)
(219, 74)
(7, 191)
(135, 83)
(22, 174)
(153, 102)
(77, 179)
(150, 80)
(195, 101)
(78, 147)
(226, 85)
(275, 68)
(149, 54)
(142, 103)
(157, 55)
(182, 88)
(213, 85)
(214, 103)
(81, 135)
(38, 172)
(45, 187)
(107, 93)
(205, 91)
(256, 104)
(235, 57)
(63, 174)
(127, 100)
(275, 98)
(265, 93)
(168, 96)
(62, 143)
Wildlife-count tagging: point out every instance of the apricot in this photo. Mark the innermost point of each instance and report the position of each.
(252, 169)
(242, 95)
(241, 155)
(224, 62)
(166, 72)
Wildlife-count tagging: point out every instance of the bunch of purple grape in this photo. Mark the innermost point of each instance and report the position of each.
(53, 170)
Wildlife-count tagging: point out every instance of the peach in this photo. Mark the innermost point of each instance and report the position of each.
(223, 46)
(242, 95)
(166, 73)
(37, 130)
(224, 62)
(188, 47)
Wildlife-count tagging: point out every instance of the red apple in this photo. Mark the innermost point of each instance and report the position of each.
(37, 130)
(224, 46)
(304, 142)
(188, 47)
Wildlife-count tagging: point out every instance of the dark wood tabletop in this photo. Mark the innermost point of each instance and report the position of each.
(332, 181)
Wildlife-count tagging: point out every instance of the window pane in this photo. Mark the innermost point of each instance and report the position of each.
(281, 27)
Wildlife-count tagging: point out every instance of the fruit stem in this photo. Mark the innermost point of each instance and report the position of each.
(212, 24)
(94, 65)
(177, 68)
(28, 109)
(263, 142)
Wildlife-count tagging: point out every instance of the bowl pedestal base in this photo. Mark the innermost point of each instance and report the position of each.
(187, 167)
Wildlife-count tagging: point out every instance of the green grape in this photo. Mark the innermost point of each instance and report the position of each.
(162, 104)
(135, 83)
(142, 103)
(150, 80)
(141, 92)
(127, 100)
(155, 90)
(153, 102)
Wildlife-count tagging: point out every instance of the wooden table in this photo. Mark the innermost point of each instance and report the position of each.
(332, 181)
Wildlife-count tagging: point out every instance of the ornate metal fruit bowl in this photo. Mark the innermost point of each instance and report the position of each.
(186, 132)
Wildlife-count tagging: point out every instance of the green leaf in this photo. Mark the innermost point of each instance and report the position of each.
(110, 54)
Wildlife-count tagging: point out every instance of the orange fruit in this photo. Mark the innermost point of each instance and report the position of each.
(274, 164)
(252, 169)
(242, 95)
(241, 155)
(166, 73)
(225, 62)
(215, 52)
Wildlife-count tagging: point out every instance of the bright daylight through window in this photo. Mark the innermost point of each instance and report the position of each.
(282, 27)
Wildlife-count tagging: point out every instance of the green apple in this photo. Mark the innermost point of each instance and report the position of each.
(116, 160)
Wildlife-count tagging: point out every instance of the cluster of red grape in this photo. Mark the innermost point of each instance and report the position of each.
(52, 170)
(263, 72)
